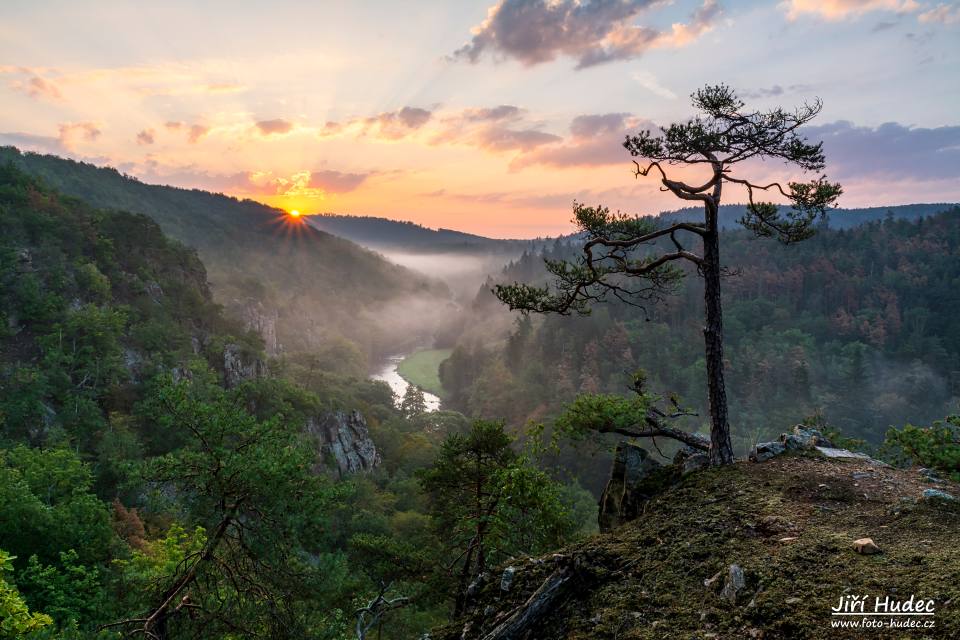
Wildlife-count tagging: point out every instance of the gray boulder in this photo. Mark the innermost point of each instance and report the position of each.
(734, 585)
(830, 452)
(804, 438)
(506, 580)
(696, 462)
(763, 451)
(937, 494)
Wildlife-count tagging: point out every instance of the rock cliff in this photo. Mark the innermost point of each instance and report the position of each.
(261, 320)
(345, 444)
(239, 366)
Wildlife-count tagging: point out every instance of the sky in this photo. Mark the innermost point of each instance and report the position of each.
(489, 117)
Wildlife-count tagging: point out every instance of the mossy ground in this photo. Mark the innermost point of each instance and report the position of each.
(789, 523)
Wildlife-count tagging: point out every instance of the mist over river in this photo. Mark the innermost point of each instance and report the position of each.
(387, 371)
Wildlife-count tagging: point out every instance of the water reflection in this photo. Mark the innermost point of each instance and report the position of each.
(388, 373)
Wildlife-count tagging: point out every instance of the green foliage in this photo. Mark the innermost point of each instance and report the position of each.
(46, 496)
(806, 329)
(489, 503)
(602, 272)
(16, 620)
(249, 483)
(70, 592)
(148, 568)
(589, 414)
(413, 403)
(936, 446)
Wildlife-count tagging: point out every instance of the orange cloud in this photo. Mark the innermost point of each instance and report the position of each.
(194, 131)
(842, 9)
(271, 127)
(147, 136)
(73, 132)
(32, 83)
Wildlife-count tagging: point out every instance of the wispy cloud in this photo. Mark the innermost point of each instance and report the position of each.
(941, 14)
(890, 150)
(193, 131)
(31, 142)
(537, 31)
(146, 137)
(31, 81)
(387, 125)
(595, 140)
(72, 133)
(650, 82)
(774, 91)
(843, 9)
(273, 127)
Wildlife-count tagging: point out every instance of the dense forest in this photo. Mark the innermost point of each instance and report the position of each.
(165, 473)
(161, 475)
(859, 327)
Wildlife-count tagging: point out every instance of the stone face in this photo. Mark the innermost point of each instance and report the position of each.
(763, 451)
(621, 499)
(344, 442)
(263, 322)
(506, 580)
(684, 453)
(736, 582)
(154, 290)
(930, 475)
(238, 367)
(865, 546)
(804, 438)
(830, 452)
(937, 494)
(696, 462)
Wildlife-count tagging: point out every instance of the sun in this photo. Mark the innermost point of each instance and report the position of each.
(294, 213)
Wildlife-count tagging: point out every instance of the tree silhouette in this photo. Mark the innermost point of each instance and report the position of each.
(623, 256)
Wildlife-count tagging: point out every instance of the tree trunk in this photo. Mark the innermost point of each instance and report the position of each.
(721, 450)
(460, 603)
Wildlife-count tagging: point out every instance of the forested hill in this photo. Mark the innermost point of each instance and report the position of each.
(321, 286)
(861, 325)
(383, 234)
(839, 218)
(147, 449)
(386, 234)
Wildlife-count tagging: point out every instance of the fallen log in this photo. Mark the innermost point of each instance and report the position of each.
(535, 608)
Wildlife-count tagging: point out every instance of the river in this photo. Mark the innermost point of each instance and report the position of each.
(388, 373)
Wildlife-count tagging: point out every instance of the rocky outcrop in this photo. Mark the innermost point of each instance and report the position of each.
(257, 318)
(808, 440)
(239, 366)
(345, 444)
(628, 486)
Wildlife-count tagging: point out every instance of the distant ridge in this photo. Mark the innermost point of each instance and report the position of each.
(836, 219)
(384, 234)
(321, 285)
